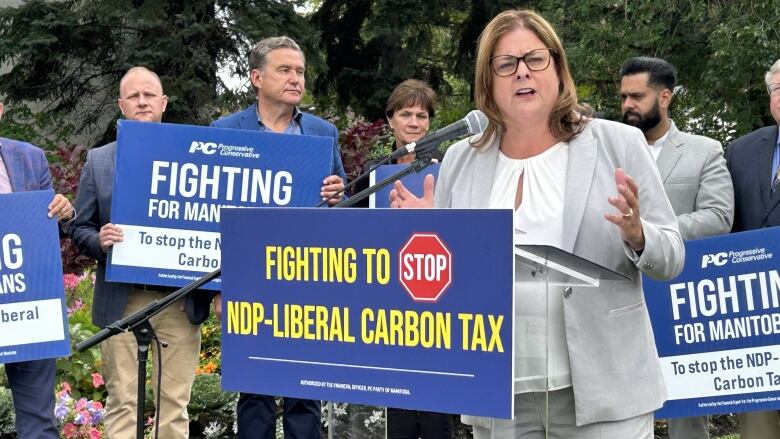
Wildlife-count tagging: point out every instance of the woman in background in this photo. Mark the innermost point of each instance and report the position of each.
(409, 111)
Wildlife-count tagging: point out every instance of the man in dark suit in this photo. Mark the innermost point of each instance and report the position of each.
(754, 162)
(141, 98)
(23, 167)
(277, 67)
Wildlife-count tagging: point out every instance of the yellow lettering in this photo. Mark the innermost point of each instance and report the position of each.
(366, 334)
(465, 318)
(233, 317)
(277, 320)
(443, 326)
(412, 331)
(383, 266)
(349, 338)
(296, 321)
(257, 316)
(322, 324)
(308, 321)
(350, 271)
(495, 333)
(316, 252)
(244, 317)
(270, 261)
(478, 337)
(396, 327)
(288, 269)
(369, 258)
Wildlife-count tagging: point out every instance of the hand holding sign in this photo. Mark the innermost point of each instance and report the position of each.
(108, 236)
(61, 208)
(330, 186)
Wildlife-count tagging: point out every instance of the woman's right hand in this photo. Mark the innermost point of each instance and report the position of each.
(403, 198)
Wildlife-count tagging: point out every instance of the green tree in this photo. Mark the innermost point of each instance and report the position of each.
(370, 46)
(68, 57)
(721, 50)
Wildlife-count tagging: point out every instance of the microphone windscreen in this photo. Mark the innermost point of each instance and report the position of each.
(476, 122)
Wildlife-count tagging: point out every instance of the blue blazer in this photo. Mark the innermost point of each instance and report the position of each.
(28, 170)
(749, 159)
(26, 164)
(311, 125)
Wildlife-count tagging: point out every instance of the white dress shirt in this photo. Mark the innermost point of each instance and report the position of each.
(541, 354)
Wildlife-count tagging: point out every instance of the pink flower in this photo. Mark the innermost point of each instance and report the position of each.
(71, 281)
(77, 305)
(69, 430)
(94, 433)
(97, 380)
(80, 404)
(97, 405)
(65, 386)
(83, 418)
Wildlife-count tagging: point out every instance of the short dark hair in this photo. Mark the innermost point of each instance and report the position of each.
(410, 93)
(660, 72)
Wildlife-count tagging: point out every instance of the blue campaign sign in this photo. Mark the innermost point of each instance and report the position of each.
(33, 320)
(399, 308)
(717, 326)
(172, 180)
(413, 182)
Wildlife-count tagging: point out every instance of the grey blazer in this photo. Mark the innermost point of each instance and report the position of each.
(615, 369)
(698, 184)
(93, 210)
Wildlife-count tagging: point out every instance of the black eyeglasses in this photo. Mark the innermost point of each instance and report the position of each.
(535, 60)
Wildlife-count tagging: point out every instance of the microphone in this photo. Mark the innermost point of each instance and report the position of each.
(474, 123)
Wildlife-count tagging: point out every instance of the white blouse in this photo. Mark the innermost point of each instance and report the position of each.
(541, 355)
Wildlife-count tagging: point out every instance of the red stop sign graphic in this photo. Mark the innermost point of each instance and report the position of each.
(425, 267)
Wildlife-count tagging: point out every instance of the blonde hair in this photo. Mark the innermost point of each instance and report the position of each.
(567, 117)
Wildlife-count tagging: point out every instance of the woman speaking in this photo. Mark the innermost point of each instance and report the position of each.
(584, 185)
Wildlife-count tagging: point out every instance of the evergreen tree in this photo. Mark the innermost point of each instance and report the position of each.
(70, 56)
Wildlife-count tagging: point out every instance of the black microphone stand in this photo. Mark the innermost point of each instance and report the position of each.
(424, 153)
(354, 182)
(138, 322)
(420, 163)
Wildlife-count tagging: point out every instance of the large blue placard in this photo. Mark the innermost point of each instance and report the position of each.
(717, 326)
(386, 307)
(172, 180)
(33, 320)
(413, 182)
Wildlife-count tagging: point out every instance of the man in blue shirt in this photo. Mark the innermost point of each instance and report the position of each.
(276, 70)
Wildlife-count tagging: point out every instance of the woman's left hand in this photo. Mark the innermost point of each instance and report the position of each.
(627, 203)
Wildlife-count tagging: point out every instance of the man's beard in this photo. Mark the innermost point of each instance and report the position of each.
(646, 121)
